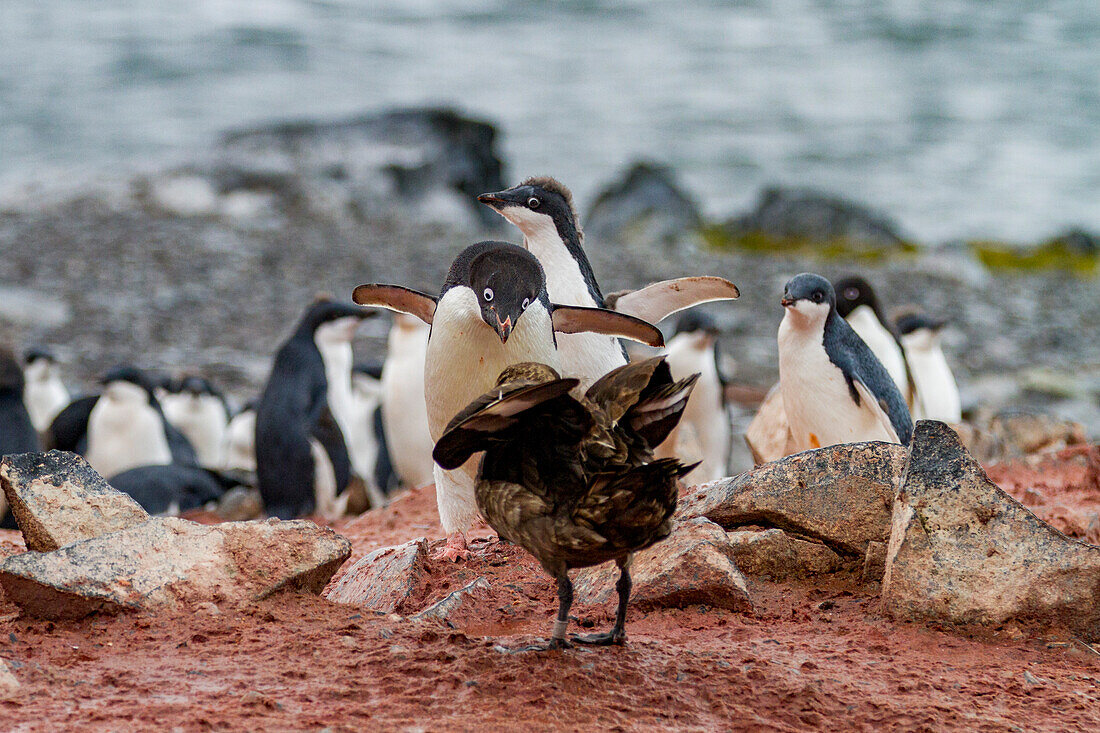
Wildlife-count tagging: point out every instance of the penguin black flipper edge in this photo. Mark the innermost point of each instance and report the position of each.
(397, 298)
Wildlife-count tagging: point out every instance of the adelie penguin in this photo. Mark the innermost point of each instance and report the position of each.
(834, 388)
(693, 349)
(857, 303)
(45, 394)
(573, 481)
(302, 455)
(493, 311)
(937, 393)
(543, 210)
(17, 433)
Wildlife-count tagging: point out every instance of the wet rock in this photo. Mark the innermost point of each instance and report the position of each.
(804, 215)
(840, 495)
(963, 551)
(368, 163)
(58, 499)
(383, 580)
(692, 565)
(775, 553)
(453, 601)
(167, 562)
(646, 204)
(874, 562)
(769, 434)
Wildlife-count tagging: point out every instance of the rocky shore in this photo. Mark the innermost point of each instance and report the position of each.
(205, 265)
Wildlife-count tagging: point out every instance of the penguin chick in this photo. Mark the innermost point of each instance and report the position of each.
(834, 388)
(573, 481)
(542, 208)
(493, 311)
(694, 350)
(199, 410)
(45, 394)
(937, 392)
(302, 459)
(857, 303)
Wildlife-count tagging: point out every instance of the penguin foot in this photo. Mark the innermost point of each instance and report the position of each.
(607, 638)
(454, 550)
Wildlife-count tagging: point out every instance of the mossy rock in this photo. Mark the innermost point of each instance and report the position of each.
(1054, 254)
(720, 237)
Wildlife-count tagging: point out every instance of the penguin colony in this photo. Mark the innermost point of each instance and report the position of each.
(510, 390)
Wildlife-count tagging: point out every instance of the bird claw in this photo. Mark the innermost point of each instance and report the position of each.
(454, 550)
(607, 638)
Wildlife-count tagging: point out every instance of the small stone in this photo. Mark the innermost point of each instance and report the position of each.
(840, 495)
(964, 551)
(383, 580)
(693, 565)
(452, 601)
(58, 499)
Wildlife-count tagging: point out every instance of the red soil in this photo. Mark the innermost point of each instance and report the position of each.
(817, 654)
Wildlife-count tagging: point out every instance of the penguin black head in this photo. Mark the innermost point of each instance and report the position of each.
(697, 321)
(129, 374)
(911, 322)
(536, 202)
(11, 376)
(193, 385)
(809, 297)
(852, 292)
(327, 311)
(38, 353)
(505, 279)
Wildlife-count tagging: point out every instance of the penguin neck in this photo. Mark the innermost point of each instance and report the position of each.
(569, 276)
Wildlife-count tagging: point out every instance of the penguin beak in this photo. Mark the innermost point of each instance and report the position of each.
(504, 328)
(492, 199)
(786, 301)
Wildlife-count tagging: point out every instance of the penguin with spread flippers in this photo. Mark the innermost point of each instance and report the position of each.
(937, 392)
(542, 208)
(493, 311)
(834, 388)
(573, 481)
(302, 458)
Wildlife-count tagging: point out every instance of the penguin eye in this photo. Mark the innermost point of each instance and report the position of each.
(526, 302)
(533, 203)
(818, 296)
(487, 294)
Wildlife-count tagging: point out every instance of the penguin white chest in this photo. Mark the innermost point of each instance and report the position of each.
(44, 394)
(124, 432)
(404, 411)
(240, 441)
(586, 356)
(866, 324)
(705, 411)
(203, 421)
(819, 405)
(465, 355)
(937, 392)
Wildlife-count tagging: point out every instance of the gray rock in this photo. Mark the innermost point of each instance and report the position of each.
(774, 553)
(58, 499)
(693, 565)
(645, 204)
(384, 579)
(840, 495)
(168, 562)
(964, 551)
(453, 601)
(812, 216)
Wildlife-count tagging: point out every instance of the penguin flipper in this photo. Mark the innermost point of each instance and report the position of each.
(328, 434)
(578, 319)
(397, 298)
(69, 428)
(659, 300)
(868, 401)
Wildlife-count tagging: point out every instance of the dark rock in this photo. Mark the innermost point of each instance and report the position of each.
(166, 562)
(646, 205)
(58, 499)
(805, 215)
(407, 156)
(774, 553)
(1078, 241)
(385, 579)
(964, 551)
(692, 565)
(840, 495)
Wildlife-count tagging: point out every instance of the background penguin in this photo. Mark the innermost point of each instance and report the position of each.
(199, 410)
(126, 427)
(857, 304)
(240, 439)
(404, 410)
(937, 392)
(493, 311)
(45, 394)
(543, 210)
(693, 349)
(302, 460)
(834, 388)
(367, 444)
(172, 489)
(17, 433)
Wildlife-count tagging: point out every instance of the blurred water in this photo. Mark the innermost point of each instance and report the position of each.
(958, 117)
